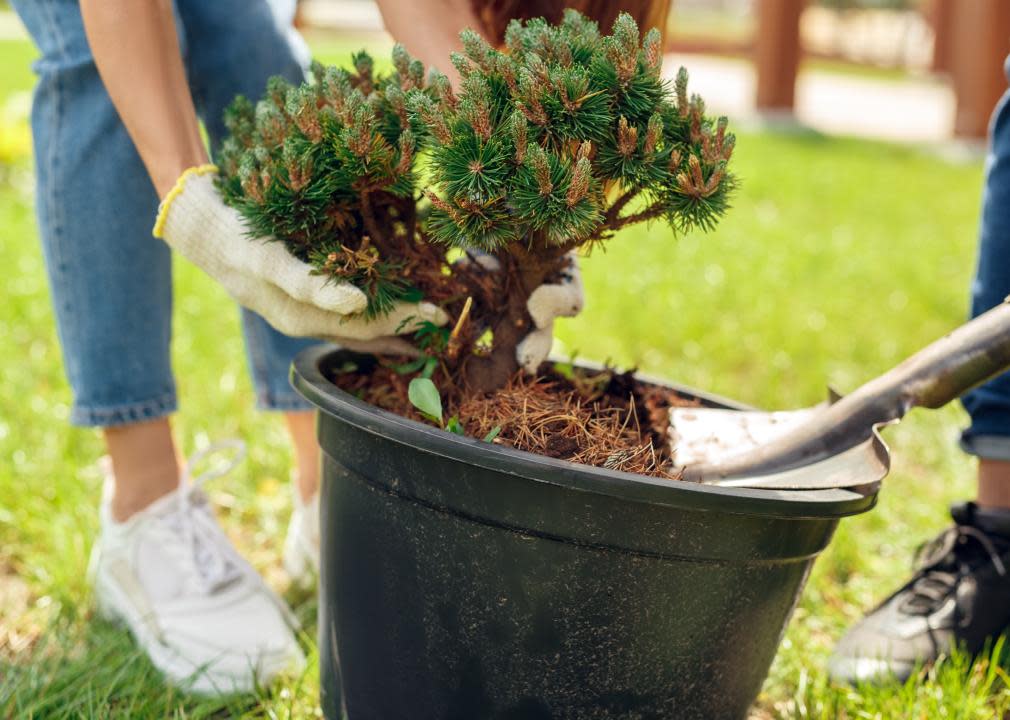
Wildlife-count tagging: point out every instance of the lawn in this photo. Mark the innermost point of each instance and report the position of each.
(839, 258)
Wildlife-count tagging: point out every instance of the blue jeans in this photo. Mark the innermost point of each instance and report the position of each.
(988, 436)
(111, 281)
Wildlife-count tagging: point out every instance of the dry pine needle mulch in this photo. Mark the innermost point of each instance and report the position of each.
(596, 418)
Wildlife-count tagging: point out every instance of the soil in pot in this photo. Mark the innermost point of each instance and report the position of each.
(599, 417)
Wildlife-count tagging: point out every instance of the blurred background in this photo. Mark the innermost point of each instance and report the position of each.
(906, 70)
(851, 244)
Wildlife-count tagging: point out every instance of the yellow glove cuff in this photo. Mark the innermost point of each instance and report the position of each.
(180, 184)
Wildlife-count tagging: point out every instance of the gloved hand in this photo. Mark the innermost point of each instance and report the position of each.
(264, 277)
(546, 303)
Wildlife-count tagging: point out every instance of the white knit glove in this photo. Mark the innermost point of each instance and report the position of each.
(546, 303)
(264, 277)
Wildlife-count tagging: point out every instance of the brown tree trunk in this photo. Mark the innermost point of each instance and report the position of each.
(523, 273)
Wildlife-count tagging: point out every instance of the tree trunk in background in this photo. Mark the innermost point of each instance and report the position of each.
(777, 53)
(980, 40)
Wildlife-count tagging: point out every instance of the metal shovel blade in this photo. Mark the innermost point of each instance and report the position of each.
(708, 436)
(790, 449)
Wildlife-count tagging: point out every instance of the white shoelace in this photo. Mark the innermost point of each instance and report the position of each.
(216, 562)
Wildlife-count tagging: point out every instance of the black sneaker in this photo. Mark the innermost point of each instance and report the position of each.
(958, 598)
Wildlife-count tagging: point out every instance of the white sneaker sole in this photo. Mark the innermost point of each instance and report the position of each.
(111, 605)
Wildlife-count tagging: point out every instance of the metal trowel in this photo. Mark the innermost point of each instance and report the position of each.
(837, 444)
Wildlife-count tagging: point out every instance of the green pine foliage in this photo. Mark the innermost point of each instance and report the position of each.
(552, 137)
(559, 139)
(327, 167)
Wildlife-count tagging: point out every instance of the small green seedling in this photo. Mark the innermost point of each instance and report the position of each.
(492, 434)
(424, 396)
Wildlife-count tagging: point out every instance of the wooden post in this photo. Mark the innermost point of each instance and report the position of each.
(980, 41)
(777, 53)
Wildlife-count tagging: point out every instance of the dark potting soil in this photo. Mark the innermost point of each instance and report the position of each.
(595, 417)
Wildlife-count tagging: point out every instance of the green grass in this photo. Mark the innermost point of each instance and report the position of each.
(840, 258)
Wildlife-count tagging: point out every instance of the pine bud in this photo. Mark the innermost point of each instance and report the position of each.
(520, 132)
(250, 179)
(675, 158)
(506, 67)
(462, 65)
(277, 92)
(443, 89)
(364, 66)
(622, 47)
(335, 89)
(475, 105)
(477, 49)
(416, 73)
(693, 184)
(720, 131)
(680, 87)
(297, 166)
(530, 92)
(581, 176)
(627, 137)
(304, 112)
(653, 134)
(685, 186)
(694, 165)
(537, 158)
(714, 180)
(538, 68)
(444, 206)
(401, 63)
(697, 115)
(358, 135)
(397, 103)
(727, 147)
(407, 145)
(317, 71)
(652, 48)
(425, 108)
(271, 123)
(514, 38)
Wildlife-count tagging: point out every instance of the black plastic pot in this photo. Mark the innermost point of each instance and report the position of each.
(462, 580)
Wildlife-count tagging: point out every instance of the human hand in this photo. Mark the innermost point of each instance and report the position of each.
(547, 303)
(264, 277)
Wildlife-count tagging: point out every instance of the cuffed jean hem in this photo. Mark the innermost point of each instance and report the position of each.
(112, 416)
(282, 402)
(986, 447)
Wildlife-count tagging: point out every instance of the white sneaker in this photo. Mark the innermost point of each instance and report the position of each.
(203, 615)
(301, 547)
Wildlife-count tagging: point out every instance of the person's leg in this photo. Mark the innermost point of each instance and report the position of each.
(960, 594)
(233, 48)
(302, 428)
(988, 436)
(144, 465)
(160, 564)
(110, 280)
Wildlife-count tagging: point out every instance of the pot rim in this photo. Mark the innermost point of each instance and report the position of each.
(308, 379)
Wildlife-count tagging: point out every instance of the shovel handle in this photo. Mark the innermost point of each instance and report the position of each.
(954, 364)
(937, 374)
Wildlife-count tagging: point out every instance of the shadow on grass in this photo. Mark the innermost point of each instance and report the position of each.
(82, 666)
